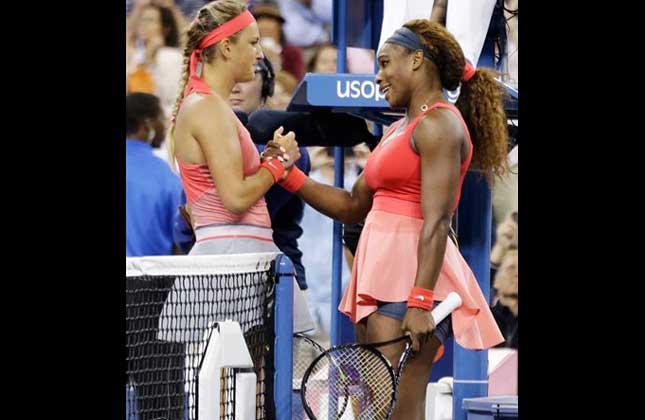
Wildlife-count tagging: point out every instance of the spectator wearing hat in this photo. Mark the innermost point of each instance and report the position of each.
(282, 55)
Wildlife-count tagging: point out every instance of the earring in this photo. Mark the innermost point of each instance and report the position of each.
(424, 108)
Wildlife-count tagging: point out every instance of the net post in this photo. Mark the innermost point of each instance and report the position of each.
(283, 357)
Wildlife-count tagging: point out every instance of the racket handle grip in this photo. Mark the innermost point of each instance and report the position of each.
(445, 308)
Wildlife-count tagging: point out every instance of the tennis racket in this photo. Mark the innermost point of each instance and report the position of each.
(361, 374)
(305, 351)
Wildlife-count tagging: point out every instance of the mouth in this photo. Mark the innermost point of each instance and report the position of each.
(235, 102)
(385, 90)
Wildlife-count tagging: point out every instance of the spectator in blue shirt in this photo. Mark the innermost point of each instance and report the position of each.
(153, 194)
(153, 191)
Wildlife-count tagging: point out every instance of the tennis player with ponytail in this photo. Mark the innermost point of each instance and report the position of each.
(405, 261)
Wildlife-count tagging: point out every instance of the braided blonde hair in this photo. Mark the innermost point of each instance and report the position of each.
(208, 18)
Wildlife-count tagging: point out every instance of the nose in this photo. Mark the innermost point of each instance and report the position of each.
(379, 78)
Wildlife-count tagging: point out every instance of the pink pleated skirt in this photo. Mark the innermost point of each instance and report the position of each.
(385, 267)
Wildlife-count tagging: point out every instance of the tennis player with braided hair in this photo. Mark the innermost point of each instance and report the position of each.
(220, 168)
(219, 165)
(405, 262)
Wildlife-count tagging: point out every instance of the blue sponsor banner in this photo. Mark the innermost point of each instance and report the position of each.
(347, 90)
(356, 91)
(350, 90)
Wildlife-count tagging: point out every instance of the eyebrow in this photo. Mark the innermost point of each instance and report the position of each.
(382, 55)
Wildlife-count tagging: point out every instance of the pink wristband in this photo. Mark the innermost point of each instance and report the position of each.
(275, 167)
(421, 298)
(294, 181)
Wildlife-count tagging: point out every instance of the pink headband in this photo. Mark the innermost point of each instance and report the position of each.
(225, 30)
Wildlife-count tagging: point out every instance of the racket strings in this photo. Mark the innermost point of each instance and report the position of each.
(304, 353)
(355, 373)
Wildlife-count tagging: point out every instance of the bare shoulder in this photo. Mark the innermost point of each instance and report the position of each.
(440, 128)
(198, 106)
(204, 122)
